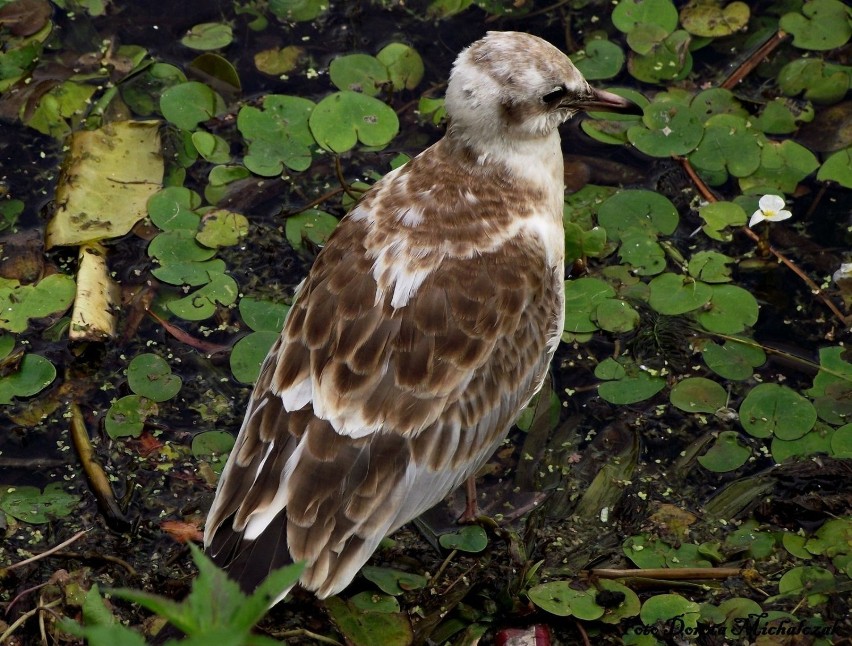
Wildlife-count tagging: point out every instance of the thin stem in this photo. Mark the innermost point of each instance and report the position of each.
(53, 549)
(754, 60)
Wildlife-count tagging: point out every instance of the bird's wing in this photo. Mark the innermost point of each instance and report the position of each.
(367, 413)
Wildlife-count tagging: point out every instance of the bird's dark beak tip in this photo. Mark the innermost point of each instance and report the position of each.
(603, 101)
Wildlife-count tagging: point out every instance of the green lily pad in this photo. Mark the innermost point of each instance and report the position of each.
(817, 440)
(808, 582)
(841, 442)
(59, 111)
(214, 447)
(188, 104)
(219, 180)
(581, 297)
(698, 395)
(262, 315)
(614, 315)
(298, 10)
(646, 552)
(278, 135)
(834, 371)
(718, 216)
(277, 61)
(628, 606)
(142, 91)
(18, 303)
(31, 505)
(34, 374)
(726, 454)
(782, 166)
(9, 212)
(208, 35)
(674, 294)
(837, 168)
(372, 602)
(217, 68)
(667, 129)
(631, 389)
(174, 208)
(600, 59)
(640, 250)
(637, 209)
(193, 274)
(126, 417)
(770, 409)
(731, 310)
(717, 100)
(248, 354)
(312, 224)
(782, 116)
(365, 627)
(393, 582)
(222, 228)
(559, 598)
(710, 19)
(404, 65)
(212, 147)
(730, 145)
(710, 267)
(668, 60)
(202, 303)
(822, 25)
(344, 118)
(733, 360)
(359, 73)
(665, 607)
(150, 376)
(471, 538)
(818, 80)
(178, 245)
(630, 14)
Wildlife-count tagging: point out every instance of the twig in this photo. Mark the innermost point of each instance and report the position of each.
(56, 548)
(754, 60)
(23, 618)
(707, 194)
(184, 337)
(670, 574)
(322, 198)
(583, 633)
(338, 170)
(443, 567)
(95, 556)
(304, 632)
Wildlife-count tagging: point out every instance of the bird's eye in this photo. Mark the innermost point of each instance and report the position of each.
(555, 95)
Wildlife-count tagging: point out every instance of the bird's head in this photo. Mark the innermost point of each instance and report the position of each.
(516, 86)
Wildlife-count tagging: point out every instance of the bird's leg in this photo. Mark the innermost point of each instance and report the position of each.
(471, 509)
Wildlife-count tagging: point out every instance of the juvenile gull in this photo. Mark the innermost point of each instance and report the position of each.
(425, 326)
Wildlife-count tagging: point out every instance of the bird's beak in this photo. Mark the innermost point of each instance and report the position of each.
(603, 101)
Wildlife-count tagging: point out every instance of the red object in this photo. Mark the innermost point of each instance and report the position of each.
(538, 635)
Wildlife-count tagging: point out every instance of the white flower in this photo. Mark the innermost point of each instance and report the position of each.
(771, 208)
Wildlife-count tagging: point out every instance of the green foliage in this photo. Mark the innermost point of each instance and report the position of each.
(31, 505)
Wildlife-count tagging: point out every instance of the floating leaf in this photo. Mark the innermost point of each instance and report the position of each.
(342, 119)
(193, 274)
(726, 454)
(730, 145)
(664, 607)
(208, 35)
(248, 354)
(628, 606)
(841, 442)
(559, 598)
(393, 582)
(202, 303)
(731, 310)
(174, 208)
(629, 14)
(804, 582)
(581, 297)
(126, 416)
(640, 250)
(710, 19)
(278, 135)
(188, 104)
(34, 374)
(668, 128)
(666, 61)
(18, 303)
(312, 224)
(817, 440)
(733, 360)
(614, 315)
(698, 395)
(31, 505)
(366, 628)
(637, 209)
(214, 447)
(262, 315)
(710, 267)
(718, 216)
(150, 376)
(277, 61)
(211, 147)
(358, 73)
(600, 59)
(631, 389)
(837, 168)
(819, 80)
(217, 69)
(222, 228)
(298, 10)
(770, 409)
(178, 245)
(471, 538)
(404, 65)
(822, 25)
(674, 294)
(783, 116)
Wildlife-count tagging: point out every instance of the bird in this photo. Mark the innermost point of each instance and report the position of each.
(426, 324)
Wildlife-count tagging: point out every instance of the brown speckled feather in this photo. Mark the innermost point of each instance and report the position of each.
(424, 327)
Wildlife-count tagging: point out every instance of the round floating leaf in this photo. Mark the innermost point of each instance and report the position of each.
(559, 598)
(212, 443)
(222, 228)
(278, 135)
(363, 627)
(358, 73)
(188, 104)
(31, 505)
(731, 310)
(394, 582)
(837, 168)
(312, 224)
(631, 389)
(212, 147)
(9, 212)
(202, 303)
(263, 315)
(817, 440)
(142, 92)
(820, 81)
(713, 101)
(664, 607)
(668, 60)
(709, 19)
(782, 166)
(342, 119)
(674, 294)
(601, 59)
(372, 602)
(710, 267)
(783, 116)
(214, 66)
(668, 129)
(800, 580)
(404, 65)
(637, 209)
(278, 61)
(719, 216)
(178, 245)
(581, 297)
(640, 250)
(34, 374)
(698, 395)
(7, 344)
(629, 14)
(208, 35)
(772, 409)
(645, 37)
(19, 303)
(609, 369)
(126, 417)
(615, 315)
(298, 10)
(471, 538)
(822, 25)
(190, 273)
(628, 606)
(841, 442)
(248, 354)
(150, 376)
(733, 360)
(174, 208)
(730, 144)
(726, 454)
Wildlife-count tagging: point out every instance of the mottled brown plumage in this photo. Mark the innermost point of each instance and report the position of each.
(424, 327)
